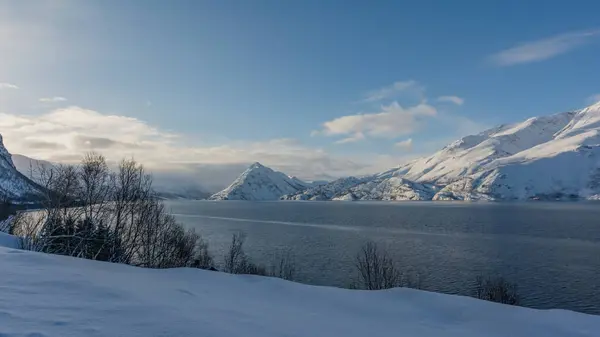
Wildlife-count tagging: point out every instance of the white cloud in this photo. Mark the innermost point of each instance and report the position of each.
(352, 139)
(63, 135)
(8, 86)
(52, 99)
(391, 90)
(405, 145)
(392, 121)
(594, 99)
(543, 49)
(452, 99)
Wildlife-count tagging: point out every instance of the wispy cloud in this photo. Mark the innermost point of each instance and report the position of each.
(391, 91)
(52, 99)
(405, 145)
(451, 99)
(352, 139)
(543, 49)
(8, 86)
(391, 121)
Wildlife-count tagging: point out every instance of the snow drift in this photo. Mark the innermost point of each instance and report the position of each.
(50, 295)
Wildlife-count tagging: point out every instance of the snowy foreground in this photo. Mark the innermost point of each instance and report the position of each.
(46, 295)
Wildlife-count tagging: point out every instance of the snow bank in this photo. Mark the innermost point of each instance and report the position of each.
(10, 241)
(47, 295)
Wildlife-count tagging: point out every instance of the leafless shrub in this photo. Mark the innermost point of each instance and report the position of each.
(235, 255)
(236, 260)
(284, 267)
(89, 212)
(496, 290)
(376, 269)
(203, 258)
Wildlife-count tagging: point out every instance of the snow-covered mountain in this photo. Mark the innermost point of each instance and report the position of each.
(549, 157)
(13, 184)
(30, 167)
(325, 191)
(388, 188)
(259, 182)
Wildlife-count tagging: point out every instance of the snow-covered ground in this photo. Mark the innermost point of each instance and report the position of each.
(48, 295)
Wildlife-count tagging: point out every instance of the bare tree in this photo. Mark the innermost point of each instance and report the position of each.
(284, 267)
(496, 290)
(236, 260)
(376, 269)
(235, 256)
(94, 177)
(89, 212)
(203, 258)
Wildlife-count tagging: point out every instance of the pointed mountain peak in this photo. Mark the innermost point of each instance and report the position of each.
(256, 165)
(259, 182)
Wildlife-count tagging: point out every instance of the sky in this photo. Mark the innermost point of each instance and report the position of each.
(317, 89)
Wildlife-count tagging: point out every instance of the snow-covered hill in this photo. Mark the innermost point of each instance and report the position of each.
(325, 191)
(549, 157)
(13, 184)
(259, 182)
(51, 295)
(388, 188)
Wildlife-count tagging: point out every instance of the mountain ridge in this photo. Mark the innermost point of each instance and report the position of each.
(552, 157)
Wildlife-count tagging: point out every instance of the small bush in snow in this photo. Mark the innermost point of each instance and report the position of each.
(284, 267)
(236, 260)
(376, 269)
(496, 290)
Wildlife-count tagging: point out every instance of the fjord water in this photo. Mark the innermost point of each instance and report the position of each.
(551, 250)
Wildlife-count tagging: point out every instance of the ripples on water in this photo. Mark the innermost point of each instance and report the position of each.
(551, 250)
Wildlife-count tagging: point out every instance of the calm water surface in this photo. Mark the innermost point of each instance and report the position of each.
(551, 250)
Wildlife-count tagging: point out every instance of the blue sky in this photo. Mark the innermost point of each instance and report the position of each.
(316, 88)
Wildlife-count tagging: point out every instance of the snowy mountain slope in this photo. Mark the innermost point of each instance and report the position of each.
(472, 153)
(259, 182)
(388, 188)
(325, 191)
(13, 184)
(50, 295)
(565, 166)
(30, 167)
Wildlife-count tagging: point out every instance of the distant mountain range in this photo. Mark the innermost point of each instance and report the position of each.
(554, 157)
